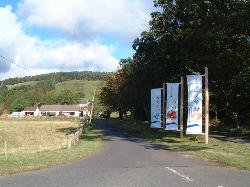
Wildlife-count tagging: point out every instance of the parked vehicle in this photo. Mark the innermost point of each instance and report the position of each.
(62, 116)
(16, 114)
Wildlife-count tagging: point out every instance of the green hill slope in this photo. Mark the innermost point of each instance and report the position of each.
(88, 87)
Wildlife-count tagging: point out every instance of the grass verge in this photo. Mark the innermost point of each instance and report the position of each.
(89, 143)
(226, 153)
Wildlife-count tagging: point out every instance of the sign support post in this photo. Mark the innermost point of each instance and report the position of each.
(206, 106)
(181, 107)
(164, 106)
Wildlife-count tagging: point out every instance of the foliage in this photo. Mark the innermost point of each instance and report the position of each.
(184, 37)
(67, 97)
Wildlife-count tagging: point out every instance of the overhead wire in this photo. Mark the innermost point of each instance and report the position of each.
(4, 59)
(13, 62)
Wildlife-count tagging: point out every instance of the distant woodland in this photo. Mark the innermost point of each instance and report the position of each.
(57, 77)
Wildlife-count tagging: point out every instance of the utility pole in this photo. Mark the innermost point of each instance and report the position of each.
(206, 106)
(181, 107)
(164, 106)
(2, 84)
(93, 100)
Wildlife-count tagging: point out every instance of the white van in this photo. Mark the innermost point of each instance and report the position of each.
(16, 114)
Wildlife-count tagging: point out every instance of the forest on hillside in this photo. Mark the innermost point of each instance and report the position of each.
(49, 89)
(43, 92)
(57, 77)
(185, 37)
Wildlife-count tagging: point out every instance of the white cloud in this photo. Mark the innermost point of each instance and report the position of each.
(46, 56)
(85, 18)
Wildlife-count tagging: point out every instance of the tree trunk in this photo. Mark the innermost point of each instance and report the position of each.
(120, 115)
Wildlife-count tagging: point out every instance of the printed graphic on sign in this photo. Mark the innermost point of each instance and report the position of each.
(172, 106)
(194, 123)
(156, 108)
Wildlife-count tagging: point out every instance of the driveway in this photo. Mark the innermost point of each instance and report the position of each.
(129, 161)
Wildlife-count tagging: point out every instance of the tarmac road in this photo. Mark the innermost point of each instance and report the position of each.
(129, 161)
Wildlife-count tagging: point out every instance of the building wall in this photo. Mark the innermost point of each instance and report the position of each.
(63, 112)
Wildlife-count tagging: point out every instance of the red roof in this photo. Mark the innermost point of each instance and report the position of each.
(30, 108)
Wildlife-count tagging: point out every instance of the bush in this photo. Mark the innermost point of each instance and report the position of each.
(197, 137)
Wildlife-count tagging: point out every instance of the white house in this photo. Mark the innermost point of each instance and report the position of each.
(30, 111)
(55, 110)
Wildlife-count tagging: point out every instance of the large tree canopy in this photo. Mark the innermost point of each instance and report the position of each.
(184, 37)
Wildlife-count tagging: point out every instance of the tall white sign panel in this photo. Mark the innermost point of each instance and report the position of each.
(156, 108)
(194, 123)
(172, 106)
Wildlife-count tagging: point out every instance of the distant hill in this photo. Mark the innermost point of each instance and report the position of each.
(87, 87)
(58, 77)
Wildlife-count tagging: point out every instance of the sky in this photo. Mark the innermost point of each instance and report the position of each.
(68, 35)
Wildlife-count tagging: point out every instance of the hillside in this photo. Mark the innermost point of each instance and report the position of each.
(58, 77)
(20, 95)
(88, 87)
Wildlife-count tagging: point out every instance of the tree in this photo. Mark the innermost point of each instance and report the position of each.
(67, 97)
(184, 37)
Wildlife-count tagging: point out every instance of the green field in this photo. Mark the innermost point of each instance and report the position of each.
(224, 152)
(25, 136)
(88, 87)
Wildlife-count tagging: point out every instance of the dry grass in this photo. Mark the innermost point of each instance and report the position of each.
(30, 136)
(89, 143)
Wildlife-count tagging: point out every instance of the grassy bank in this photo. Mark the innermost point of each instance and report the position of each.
(89, 143)
(226, 153)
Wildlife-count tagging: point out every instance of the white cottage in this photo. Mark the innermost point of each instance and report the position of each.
(55, 110)
(30, 111)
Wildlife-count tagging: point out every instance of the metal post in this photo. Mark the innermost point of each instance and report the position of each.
(206, 106)
(181, 107)
(164, 106)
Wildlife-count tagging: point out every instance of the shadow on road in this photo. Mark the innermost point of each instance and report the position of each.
(111, 133)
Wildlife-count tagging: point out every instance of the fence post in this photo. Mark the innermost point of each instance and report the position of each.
(5, 148)
(40, 146)
(73, 139)
(76, 136)
(69, 142)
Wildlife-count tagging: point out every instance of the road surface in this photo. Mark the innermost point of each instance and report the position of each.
(129, 161)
